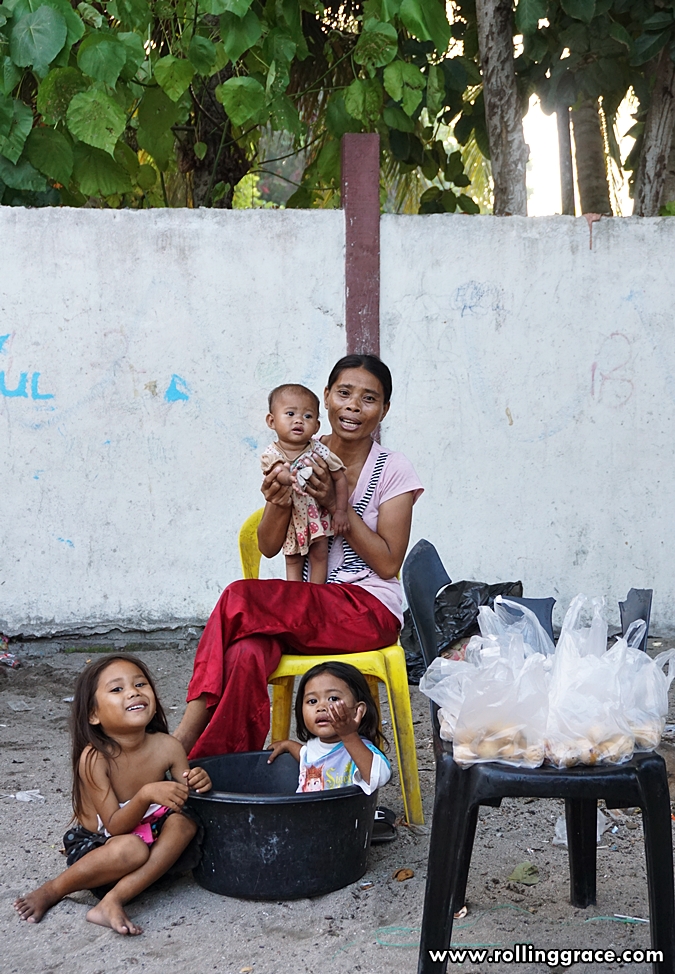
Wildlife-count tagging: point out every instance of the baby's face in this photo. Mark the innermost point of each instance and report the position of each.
(293, 418)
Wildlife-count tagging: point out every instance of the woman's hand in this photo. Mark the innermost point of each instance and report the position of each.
(274, 491)
(284, 747)
(320, 485)
(197, 780)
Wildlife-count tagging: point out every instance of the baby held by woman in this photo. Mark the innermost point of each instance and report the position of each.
(294, 417)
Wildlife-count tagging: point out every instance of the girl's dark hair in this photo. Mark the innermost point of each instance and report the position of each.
(358, 685)
(86, 735)
(371, 363)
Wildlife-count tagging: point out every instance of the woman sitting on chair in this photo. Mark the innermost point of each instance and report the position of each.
(257, 620)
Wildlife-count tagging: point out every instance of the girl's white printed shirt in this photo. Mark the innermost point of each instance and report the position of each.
(325, 766)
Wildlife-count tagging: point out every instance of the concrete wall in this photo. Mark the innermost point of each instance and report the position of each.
(535, 393)
(136, 354)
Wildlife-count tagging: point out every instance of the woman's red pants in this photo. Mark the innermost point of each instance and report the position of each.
(254, 622)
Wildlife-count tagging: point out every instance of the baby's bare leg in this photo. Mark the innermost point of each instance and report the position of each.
(294, 566)
(174, 838)
(121, 854)
(318, 561)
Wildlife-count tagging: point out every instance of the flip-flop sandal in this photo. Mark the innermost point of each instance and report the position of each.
(384, 829)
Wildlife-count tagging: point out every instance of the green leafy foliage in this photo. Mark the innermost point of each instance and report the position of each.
(528, 14)
(174, 75)
(123, 101)
(96, 118)
(37, 37)
(49, 151)
(242, 98)
(102, 56)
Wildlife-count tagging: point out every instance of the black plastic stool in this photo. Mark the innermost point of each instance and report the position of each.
(461, 791)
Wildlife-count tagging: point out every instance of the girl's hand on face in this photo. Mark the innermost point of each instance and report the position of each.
(197, 780)
(345, 720)
(172, 794)
(320, 485)
(274, 491)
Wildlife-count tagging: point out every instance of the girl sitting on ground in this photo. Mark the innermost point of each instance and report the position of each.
(294, 417)
(130, 824)
(337, 720)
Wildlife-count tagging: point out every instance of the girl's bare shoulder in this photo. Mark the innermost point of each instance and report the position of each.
(166, 744)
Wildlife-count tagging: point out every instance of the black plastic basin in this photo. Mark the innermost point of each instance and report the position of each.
(263, 841)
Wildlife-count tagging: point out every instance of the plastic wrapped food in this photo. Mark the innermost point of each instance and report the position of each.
(644, 686)
(586, 723)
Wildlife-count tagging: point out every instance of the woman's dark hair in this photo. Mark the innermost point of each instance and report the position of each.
(86, 735)
(371, 363)
(358, 685)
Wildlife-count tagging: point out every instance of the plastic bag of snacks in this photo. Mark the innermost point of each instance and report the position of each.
(493, 705)
(586, 723)
(644, 686)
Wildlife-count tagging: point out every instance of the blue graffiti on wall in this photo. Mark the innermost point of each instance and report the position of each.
(21, 390)
(178, 390)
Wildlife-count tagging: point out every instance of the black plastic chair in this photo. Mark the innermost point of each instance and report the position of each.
(461, 791)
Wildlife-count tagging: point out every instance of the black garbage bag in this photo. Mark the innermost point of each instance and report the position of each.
(456, 617)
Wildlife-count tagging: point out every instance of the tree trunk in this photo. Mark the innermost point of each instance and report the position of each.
(651, 175)
(566, 165)
(508, 151)
(669, 183)
(589, 149)
(224, 161)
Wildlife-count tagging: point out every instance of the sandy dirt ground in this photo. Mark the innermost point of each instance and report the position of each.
(188, 930)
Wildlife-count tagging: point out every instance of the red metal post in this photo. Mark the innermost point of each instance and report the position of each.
(361, 203)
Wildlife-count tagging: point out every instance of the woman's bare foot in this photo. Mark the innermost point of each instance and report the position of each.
(111, 913)
(33, 906)
(193, 723)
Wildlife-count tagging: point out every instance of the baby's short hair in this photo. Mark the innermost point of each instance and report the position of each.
(293, 387)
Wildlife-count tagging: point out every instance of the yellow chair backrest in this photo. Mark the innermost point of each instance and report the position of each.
(249, 553)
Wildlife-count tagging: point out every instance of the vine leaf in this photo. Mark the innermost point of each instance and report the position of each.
(37, 38)
(96, 118)
(579, 9)
(202, 54)
(21, 176)
(102, 57)
(377, 44)
(242, 98)
(50, 151)
(174, 75)
(56, 92)
(528, 15)
(97, 173)
(11, 146)
(239, 34)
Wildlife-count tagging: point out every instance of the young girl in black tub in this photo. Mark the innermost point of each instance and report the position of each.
(337, 720)
(129, 829)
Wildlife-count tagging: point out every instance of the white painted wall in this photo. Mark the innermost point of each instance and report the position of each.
(157, 337)
(534, 389)
(535, 394)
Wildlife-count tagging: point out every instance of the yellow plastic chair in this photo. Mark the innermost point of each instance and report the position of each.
(378, 666)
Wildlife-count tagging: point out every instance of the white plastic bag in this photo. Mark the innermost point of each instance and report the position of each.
(503, 715)
(510, 618)
(644, 687)
(586, 724)
(444, 682)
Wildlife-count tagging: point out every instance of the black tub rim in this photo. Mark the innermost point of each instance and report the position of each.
(299, 797)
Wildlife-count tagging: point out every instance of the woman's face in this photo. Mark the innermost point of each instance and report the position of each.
(355, 404)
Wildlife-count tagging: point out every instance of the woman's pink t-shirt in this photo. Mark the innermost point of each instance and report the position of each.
(397, 477)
